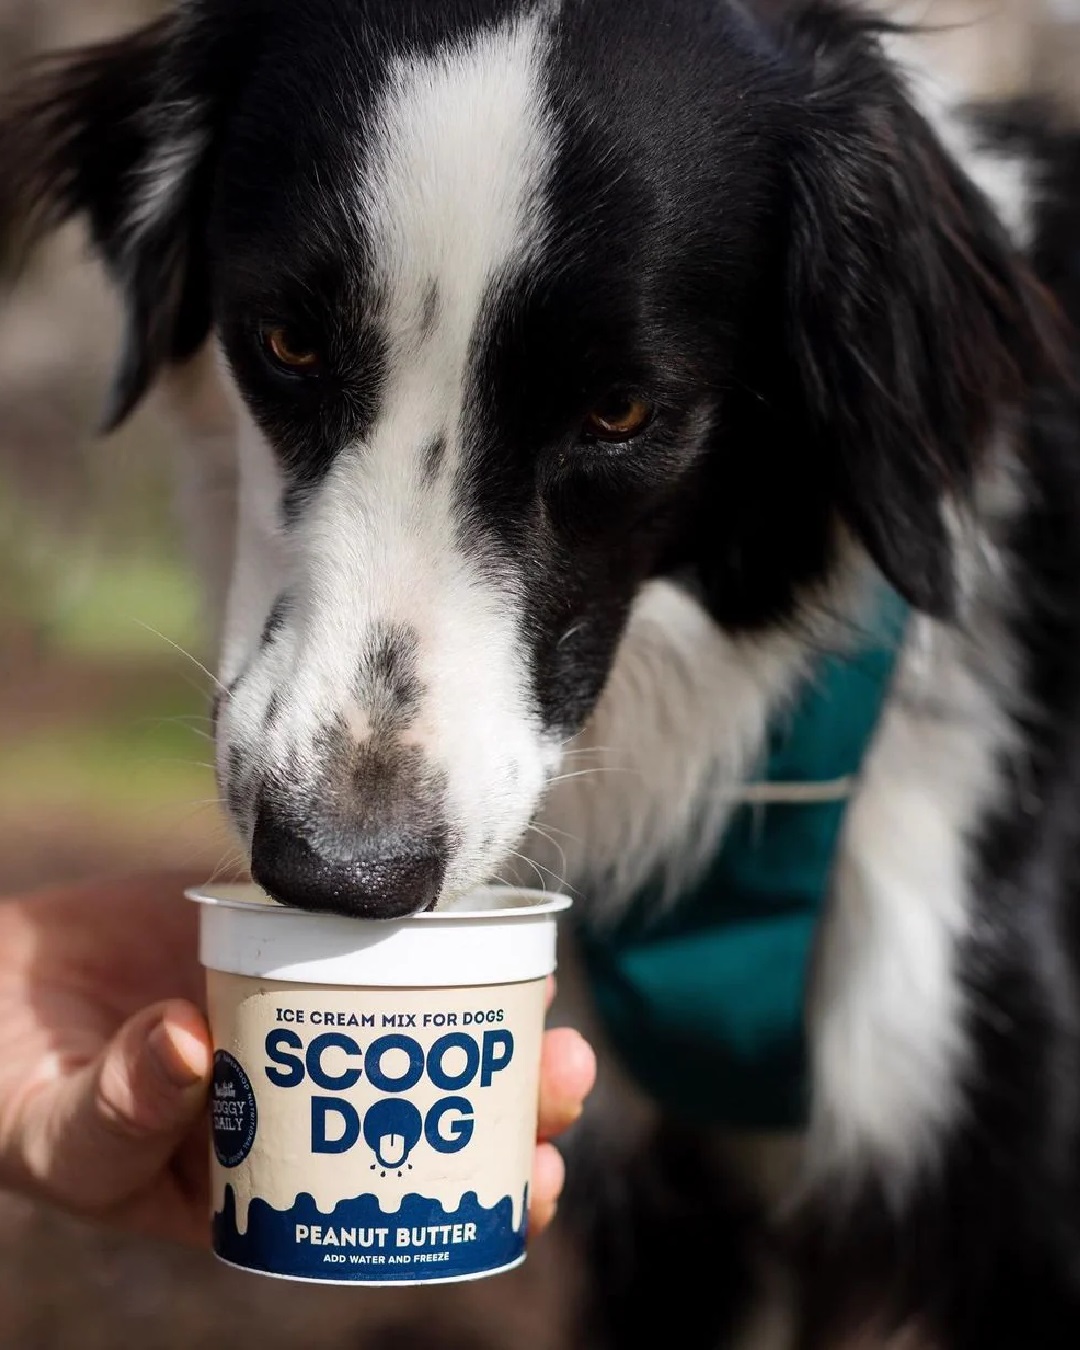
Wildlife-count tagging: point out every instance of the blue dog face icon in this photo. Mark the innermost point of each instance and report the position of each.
(392, 1129)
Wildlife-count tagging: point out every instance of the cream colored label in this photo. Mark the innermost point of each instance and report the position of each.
(373, 1134)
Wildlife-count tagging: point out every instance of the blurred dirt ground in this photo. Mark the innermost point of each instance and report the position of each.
(104, 756)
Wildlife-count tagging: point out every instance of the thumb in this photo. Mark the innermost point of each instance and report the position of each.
(107, 1131)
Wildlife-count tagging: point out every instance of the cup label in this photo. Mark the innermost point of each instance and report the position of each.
(372, 1135)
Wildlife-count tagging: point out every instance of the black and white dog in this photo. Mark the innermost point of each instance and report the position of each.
(559, 372)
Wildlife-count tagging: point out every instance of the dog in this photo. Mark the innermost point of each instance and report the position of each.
(563, 376)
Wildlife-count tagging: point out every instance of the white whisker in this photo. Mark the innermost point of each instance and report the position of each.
(540, 870)
(598, 768)
(193, 659)
(178, 721)
(187, 763)
(555, 845)
(574, 838)
(231, 860)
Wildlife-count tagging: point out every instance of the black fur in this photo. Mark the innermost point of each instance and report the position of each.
(275, 620)
(673, 1240)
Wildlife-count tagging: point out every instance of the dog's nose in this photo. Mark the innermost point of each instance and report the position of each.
(382, 874)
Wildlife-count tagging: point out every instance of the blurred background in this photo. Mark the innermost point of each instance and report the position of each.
(104, 736)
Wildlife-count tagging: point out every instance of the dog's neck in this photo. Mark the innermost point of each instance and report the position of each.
(678, 735)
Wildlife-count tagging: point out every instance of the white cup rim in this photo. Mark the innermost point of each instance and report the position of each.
(483, 904)
(243, 932)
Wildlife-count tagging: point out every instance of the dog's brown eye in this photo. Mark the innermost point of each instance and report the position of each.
(620, 417)
(289, 352)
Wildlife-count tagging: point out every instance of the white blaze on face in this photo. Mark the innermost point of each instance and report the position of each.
(450, 196)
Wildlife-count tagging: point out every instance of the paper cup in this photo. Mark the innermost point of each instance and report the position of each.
(375, 1085)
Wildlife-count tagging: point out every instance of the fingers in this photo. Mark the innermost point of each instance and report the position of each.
(103, 1134)
(545, 1188)
(567, 1075)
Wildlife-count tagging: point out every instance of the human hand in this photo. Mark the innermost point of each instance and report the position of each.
(107, 1060)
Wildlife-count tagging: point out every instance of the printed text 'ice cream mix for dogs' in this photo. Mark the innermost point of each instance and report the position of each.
(375, 1085)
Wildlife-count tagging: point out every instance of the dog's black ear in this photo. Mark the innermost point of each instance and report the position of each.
(914, 324)
(105, 132)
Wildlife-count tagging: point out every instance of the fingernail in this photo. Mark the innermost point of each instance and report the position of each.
(183, 1058)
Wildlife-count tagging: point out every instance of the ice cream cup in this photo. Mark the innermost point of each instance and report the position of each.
(375, 1084)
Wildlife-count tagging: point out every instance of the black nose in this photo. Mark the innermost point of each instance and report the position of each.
(384, 874)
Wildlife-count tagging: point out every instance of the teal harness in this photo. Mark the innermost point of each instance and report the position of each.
(704, 999)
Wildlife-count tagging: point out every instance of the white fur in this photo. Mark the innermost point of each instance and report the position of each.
(449, 196)
(887, 1022)
(887, 1018)
(1001, 175)
(647, 787)
(163, 177)
(449, 192)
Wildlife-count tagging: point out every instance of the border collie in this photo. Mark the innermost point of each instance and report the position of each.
(563, 374)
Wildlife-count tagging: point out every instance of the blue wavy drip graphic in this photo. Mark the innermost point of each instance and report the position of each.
(271, 1244)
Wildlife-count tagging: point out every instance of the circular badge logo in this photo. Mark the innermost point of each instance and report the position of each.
(235, 1116)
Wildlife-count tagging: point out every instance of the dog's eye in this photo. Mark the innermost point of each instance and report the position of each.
(289, 352)
(620, 417)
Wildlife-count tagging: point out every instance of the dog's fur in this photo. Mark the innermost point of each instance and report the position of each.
(463, 637)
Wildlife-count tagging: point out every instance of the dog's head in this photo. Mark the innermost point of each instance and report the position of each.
(523, 304)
